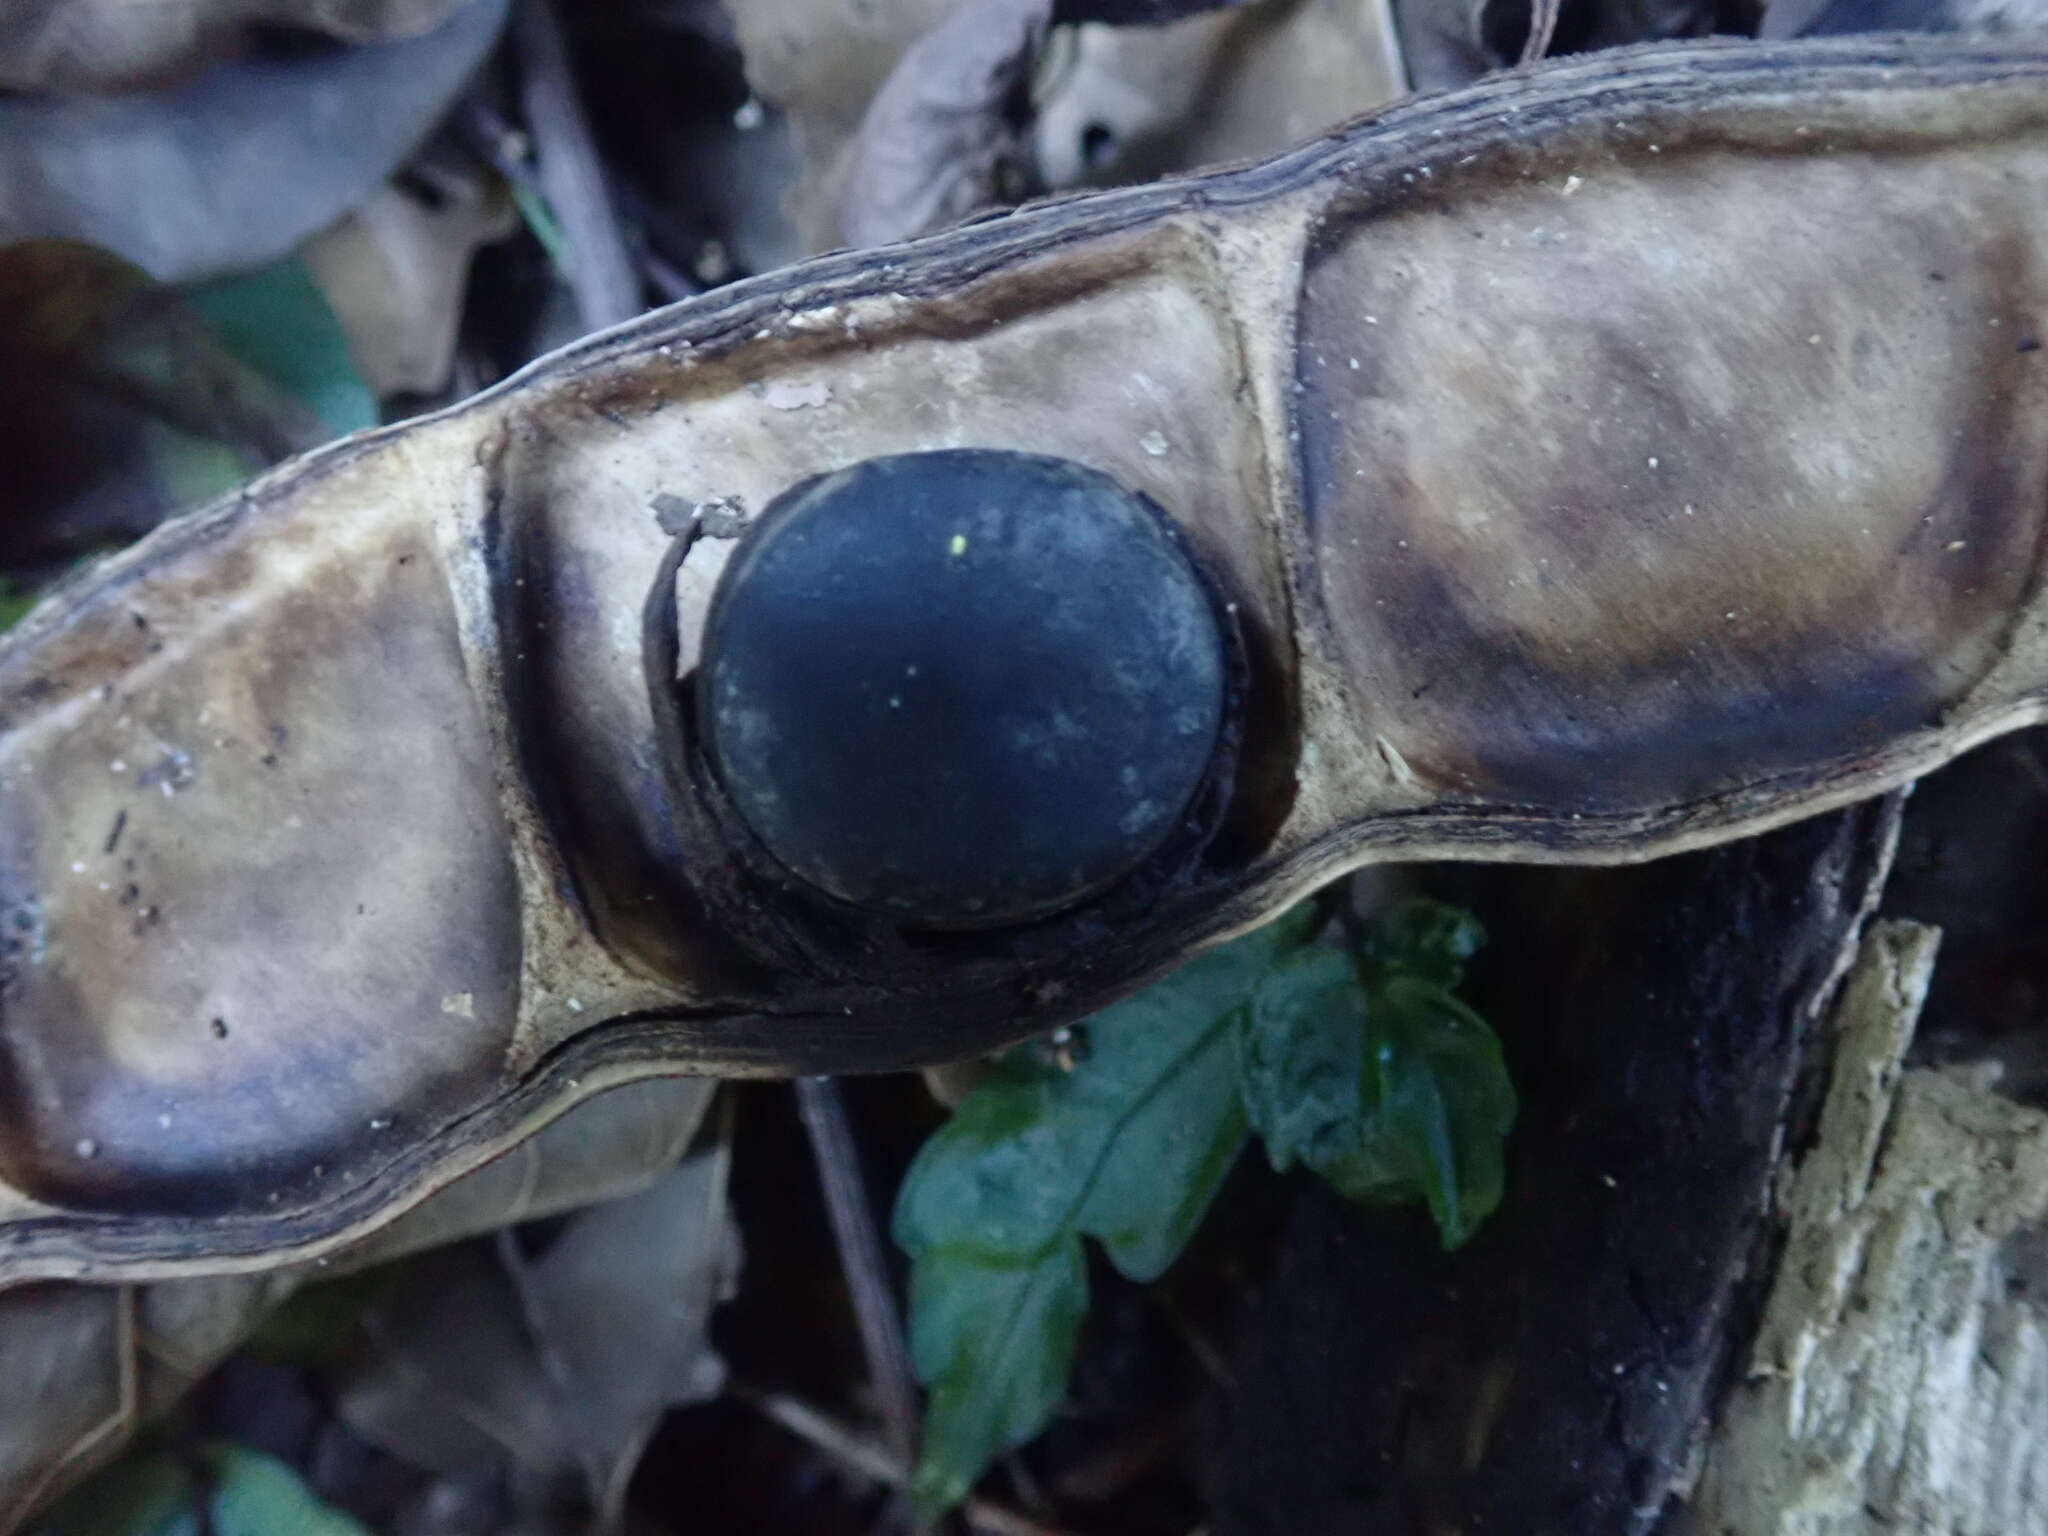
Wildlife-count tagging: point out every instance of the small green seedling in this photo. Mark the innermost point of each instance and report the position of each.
(1355, 1061)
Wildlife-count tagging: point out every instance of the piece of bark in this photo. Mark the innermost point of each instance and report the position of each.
(1899, 1380)
(1973, 861)
(1549, 1378)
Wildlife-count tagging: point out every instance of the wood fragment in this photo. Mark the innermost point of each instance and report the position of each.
(862, 1259)
(1899, 1378)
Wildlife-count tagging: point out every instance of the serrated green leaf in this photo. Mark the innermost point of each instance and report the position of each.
(1301, 1059)
(1172, 1152)
(1128, 1147)
(1010, 1173)
(245, 1492)
(995, 1344)
(1425, 938)
(1446, 1100)
(981, 1185)
(1367, 1071)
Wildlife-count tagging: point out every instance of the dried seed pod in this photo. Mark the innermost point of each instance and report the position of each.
(1610, 459)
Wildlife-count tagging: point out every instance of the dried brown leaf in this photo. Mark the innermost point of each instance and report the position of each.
(103, 45)
(394, 271)
(237, 165)
(86, 1365)
(933, 143)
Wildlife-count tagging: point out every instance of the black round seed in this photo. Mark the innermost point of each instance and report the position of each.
(961, 688)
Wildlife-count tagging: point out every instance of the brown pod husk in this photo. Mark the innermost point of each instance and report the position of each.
(1611, 459)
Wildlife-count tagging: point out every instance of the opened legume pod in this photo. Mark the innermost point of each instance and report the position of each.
(1610, 459)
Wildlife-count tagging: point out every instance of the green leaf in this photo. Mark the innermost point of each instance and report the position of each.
(143, 400)
(1034, 1154)
(13, 604)
(1423, 938)
(156, 1494)
(1369, 1072)
(997, 1180)
(1445, 1098)
(995, 1344)
(1170, 1156)
(1301, 1061)
(277, 321)
(1128, 1147)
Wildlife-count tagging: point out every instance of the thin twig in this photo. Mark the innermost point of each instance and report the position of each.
(482, 129)
(862, 1456)
(841, 1442)
(560, 1380)
(668, 281)
(1543, 16)
(1000, 1520)
(862, 1259)
(571, 176)
(662, 243)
